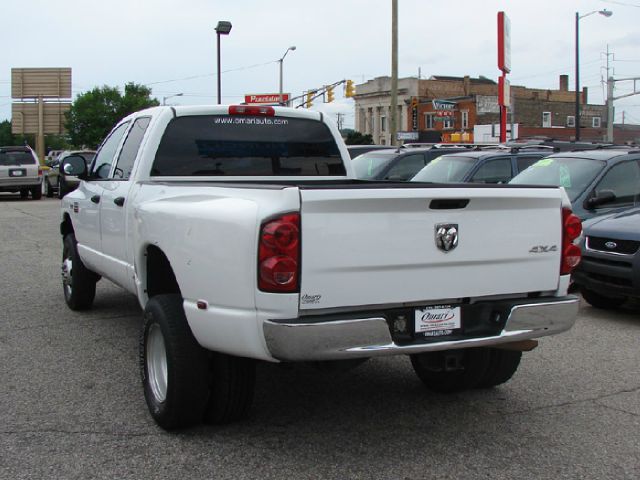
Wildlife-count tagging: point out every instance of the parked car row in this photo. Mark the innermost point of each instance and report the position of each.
(602, 182)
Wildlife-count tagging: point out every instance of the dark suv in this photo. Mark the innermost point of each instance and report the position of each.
(480, 166)
(20, 172)
(609, 273)
(398, 164)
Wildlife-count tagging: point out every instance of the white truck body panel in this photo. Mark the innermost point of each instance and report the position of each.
(362, 246)
(381, 245)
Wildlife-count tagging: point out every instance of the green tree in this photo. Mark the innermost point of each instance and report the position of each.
(6, 137)
(93, 114)
(356, 138)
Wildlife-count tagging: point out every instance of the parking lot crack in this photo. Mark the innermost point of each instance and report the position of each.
(577, 402)
(55, 431)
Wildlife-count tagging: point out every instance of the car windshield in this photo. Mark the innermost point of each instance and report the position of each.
(574, 174)
(16, 158)
(445, 169)
(369, 165)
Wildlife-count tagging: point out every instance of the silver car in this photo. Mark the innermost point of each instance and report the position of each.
(20, 172)
(60, 183)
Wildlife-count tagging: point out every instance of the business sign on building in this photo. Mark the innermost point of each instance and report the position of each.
(266, 98)
(487, 104)
(444, 108)
(407, 135)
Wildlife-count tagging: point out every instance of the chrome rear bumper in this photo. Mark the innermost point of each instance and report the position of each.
(371, 337)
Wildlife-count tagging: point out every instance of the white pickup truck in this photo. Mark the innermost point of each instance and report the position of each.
(244, 237)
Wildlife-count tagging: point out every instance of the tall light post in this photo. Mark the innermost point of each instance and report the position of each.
(606, 13)
(291, 48)
(164, 99)
(223, 28)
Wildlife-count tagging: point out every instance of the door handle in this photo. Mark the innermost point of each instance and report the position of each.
(95, 199)
(119, 201)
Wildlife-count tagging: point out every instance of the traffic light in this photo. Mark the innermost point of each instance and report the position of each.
(350, 90)
(309, 101)
(414, 102)
(330, 97)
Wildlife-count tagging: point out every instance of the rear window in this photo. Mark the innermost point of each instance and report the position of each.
(574, 174)
(446, 169)
(222, 145)
(16, 157)
(369, 165)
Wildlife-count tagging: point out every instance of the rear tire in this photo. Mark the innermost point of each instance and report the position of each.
(502, 365)
(36, 192)
(48, 190)
(62, 189)
(451, 371)
(232, 385)
(601, 301)
(173, 366)
(78, 282)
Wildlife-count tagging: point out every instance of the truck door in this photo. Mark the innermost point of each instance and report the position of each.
(86, 221)
(118, 264)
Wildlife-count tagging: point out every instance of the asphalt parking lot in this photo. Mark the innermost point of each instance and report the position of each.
(71, 403)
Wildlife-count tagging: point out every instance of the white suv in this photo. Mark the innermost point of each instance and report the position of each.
(20, 171)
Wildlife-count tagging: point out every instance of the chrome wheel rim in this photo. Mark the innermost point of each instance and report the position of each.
(67, 272)
(157, 363)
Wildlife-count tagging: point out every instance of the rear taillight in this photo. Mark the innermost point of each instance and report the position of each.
(279, 255)
(261, 111)
(39, 171)
(571, 254)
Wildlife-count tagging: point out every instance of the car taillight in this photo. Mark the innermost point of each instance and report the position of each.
(262, 111)
(39, 171)
(279, 254)
(571, 254)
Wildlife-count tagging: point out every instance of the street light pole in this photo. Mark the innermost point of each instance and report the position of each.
(291, 48)
(164, 99)
(223, 28)
(605, 13)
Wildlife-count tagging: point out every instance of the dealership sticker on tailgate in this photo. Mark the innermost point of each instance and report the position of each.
(437, 320)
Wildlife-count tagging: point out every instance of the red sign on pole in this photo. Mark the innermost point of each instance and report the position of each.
(263, 98)
(504, 43)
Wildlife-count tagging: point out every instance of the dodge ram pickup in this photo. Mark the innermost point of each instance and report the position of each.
(245, 237)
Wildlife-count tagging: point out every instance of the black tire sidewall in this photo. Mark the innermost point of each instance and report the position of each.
(187, 365)
(83, 281)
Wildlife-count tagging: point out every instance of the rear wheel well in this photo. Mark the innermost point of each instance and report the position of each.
(160, 277)
(66, 227)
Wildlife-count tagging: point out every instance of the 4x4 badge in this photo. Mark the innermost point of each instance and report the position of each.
(446, 236)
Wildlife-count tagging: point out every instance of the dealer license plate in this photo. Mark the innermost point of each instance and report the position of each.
(437, 320)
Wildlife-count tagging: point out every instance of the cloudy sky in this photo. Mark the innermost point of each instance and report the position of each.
(171, 45)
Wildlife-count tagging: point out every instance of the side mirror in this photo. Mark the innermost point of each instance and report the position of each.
(74, 165)
(601, 198)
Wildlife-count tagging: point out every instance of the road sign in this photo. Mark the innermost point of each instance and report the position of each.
(266, 98)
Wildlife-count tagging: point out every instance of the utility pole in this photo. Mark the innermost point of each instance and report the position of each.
(394, 71)
(610, 99)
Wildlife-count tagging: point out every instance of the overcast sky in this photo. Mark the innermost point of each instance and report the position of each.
(171, 45)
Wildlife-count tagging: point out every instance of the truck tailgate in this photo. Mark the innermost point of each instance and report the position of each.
(373, 246)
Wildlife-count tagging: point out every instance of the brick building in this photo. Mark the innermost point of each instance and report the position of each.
(536, 112)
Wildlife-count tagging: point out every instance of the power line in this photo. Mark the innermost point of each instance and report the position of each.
(625, 4)
(193, 77)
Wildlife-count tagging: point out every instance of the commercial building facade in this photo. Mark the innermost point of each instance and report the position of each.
(535, 112)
